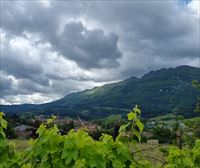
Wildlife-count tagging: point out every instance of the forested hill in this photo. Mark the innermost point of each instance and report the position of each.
(157, 93)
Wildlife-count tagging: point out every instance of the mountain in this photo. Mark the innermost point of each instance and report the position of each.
(156, 93)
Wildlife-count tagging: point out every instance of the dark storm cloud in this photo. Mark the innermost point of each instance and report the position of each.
(152, 34)
(7, 86)
(19, 63)
(5, 83)
(89, 48)
(21, 68)
(59, 47)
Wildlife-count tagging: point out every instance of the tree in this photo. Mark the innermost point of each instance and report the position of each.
(196, 84)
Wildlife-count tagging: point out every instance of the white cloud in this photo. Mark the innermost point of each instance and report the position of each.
(57, 76)
(194, 5)
(45, 3)
(34, 98)
(52, 48)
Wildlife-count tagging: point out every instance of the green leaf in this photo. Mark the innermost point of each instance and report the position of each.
(131, 116)
(1, 115)
(3, 123)
(51, 120)
(139, 125)
(123, 127)
(80, 163)
(2, 133)
(136, 109)
(137, 134)
(41, 129)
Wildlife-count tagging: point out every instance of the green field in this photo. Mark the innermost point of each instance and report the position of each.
(20, 144)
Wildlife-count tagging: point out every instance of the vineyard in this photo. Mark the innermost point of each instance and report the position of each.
(79, 150)
(99, 84)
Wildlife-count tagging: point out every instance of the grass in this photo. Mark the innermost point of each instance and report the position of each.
(195, 119)
(163, 117)
(169, 120)
(20, 144)
(152, 153)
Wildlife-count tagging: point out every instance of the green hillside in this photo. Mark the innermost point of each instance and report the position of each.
(157, 93)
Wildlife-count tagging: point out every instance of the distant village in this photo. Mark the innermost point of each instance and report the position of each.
(155, 132)
(26, 129)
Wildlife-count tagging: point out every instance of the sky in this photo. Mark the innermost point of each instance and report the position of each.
(52, 48)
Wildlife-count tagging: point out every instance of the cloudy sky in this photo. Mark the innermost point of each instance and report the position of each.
(52, 48)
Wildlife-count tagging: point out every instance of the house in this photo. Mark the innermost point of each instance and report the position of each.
(24, 131)
(153, 141)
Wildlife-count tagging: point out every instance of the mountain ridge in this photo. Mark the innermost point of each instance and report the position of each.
(156, 92)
